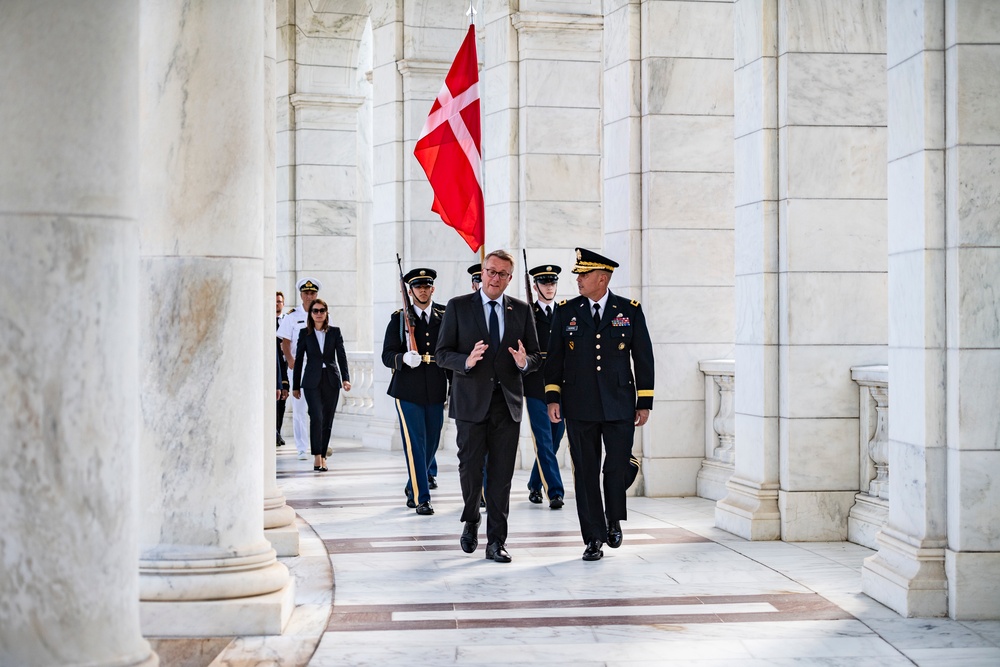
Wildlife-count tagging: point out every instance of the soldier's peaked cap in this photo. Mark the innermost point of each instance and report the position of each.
(476, 271)
(588, 260)
(546, 273)
(418, 277)
(309, 285)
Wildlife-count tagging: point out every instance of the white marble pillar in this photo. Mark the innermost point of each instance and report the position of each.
(677, 258)
(750, 509)
(69, 248)
(206, 568)
(279, 518)
(972, 249)
(907, 574)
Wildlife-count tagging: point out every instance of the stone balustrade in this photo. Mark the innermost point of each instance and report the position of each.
(871, 507)
(720, 427)
(360, 400)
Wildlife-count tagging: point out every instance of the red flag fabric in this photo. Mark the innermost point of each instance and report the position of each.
(449, 148)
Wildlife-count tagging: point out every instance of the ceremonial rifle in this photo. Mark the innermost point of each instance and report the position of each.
(407, 318)
(527, 286)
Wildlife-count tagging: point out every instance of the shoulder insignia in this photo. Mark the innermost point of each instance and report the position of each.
(398, 311)
(290, 311)
(562, 303)
(634, 302)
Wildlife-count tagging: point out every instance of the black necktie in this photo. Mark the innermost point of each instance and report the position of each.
(548, 311)
(423, 316)
(494, 327)
(597, 316)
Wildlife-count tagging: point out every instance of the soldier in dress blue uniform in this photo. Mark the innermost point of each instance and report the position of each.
(419, 386)
(545, 476)
(596, 341)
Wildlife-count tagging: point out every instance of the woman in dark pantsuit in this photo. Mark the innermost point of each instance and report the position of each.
(320, 377)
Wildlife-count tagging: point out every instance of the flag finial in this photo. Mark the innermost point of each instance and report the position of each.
(471, 12)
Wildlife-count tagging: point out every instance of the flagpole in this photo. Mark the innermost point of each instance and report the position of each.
(471, 13)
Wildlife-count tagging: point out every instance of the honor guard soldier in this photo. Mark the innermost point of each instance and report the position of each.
(288, 331)
(545, 476)
(418, 385)
(597, 340)
(476, 271)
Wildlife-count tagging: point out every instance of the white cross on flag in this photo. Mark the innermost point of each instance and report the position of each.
(449, 147)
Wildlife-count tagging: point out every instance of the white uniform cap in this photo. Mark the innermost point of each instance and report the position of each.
(310, 284)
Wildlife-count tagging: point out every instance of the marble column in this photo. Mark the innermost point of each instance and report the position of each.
(206, 568)
(279, 518)
(674, 231)
(907, 574)
(750, 508)
(972, 251)
(69, 243)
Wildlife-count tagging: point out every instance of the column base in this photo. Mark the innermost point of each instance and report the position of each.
(257, 615)
(712, 479)
(867, 517)
(909, 580)
(814, 516)
(973, 585)
(749, 512)
(284, 540)
(381, 434)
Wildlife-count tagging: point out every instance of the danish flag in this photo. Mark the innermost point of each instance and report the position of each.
(449, 147)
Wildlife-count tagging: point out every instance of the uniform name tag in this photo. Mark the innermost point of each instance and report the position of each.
(621, 321)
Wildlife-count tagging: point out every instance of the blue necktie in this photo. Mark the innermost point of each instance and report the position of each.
(494, 328)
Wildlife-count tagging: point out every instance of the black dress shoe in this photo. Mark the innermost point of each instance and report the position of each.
(593, 551)
(497, 553)
(431, 482)
(409, 498)
(470, 537)
(281, 441)
(535, 497)
(556, 503)
(614, 534)
(425, 509)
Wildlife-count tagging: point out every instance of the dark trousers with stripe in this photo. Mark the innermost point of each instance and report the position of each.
(420, 427)
(585, 448)
(545, 473)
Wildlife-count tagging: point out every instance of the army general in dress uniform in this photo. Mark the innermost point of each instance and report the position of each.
(596, 341)
(419, 386)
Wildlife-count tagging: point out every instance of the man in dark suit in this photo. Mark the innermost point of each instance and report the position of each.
(545, 480)
(488, 342)
(596, 341)
(419, 386)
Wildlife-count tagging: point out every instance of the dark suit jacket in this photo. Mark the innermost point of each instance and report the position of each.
(464, 325)
(590, 370)
(534, 384)
(333, 355)
(427, 384)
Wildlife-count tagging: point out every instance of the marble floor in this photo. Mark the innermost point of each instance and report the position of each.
(677, 592)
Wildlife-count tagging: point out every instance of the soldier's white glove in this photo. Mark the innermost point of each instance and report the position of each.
(411, 359)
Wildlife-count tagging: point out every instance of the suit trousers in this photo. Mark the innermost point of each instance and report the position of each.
(420, 427)
(493, 442)
(585, 448)
(322, 402)
(545, 475)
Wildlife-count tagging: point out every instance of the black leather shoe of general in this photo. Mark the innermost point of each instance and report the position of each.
(431, 482)
(593, 551)
(470, 537)
(425, 509)
(614, 535)
(535, 497)
(410, 502)
(497, 553)
(556, 503)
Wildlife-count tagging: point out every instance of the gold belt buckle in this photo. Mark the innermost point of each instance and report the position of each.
(426, 358)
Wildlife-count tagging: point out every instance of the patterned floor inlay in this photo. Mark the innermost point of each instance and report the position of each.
(629, 611)
(555, 538)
